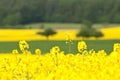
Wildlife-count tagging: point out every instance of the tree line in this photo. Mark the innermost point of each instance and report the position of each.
(86, 31)
(14, 12)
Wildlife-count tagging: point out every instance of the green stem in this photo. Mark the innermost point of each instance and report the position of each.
(69, 48)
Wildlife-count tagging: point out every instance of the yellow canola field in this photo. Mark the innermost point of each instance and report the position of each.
(18, 34)
(111, 33)
(55, 65)
(30, 34)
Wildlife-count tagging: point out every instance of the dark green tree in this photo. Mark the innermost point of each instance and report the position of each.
(88, 31)
(98, 34)
(47, 32)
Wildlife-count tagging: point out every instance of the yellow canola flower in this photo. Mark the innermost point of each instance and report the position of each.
(116, 47)
(102, 53)
(55, 49)
(116, 50)
(24, 46)
(15, 51)
(68, 38)
(81, 46)
(90, 66)
(38, 52)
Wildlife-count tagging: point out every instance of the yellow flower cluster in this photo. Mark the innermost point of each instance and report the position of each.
(56, 65)
(23, 45)
(82, 46)
(68, 38)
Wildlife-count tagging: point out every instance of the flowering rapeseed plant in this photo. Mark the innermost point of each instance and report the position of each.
(38, 52)
(69, 42)
(116, 47)
(59, 66)
(15, 51)
(24, 46)
(81, 46)
(68, 39)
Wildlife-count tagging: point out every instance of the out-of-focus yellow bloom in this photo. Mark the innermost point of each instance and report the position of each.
(23, 45)
(68, 38)
(102, 53)
(92, 52)
(59, 66)
(38, 52)
(116, 47)
(15, 51)
(81, 46)
(116, 50)
(55, 49)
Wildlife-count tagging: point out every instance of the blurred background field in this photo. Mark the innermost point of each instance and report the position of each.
(110, 32)
(10, 37)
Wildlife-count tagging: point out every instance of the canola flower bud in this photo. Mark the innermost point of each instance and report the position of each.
(116, 50)
(81, 46)
(116, 47)
(68, 38)
(15, 51)
(92, 51)
(38, 52)
(55, 49)
(69, 42)
(23, 45)
(101, 53)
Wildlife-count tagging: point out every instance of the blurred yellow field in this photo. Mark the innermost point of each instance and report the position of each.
(111, 33)
(30, 34)
(26, 34)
